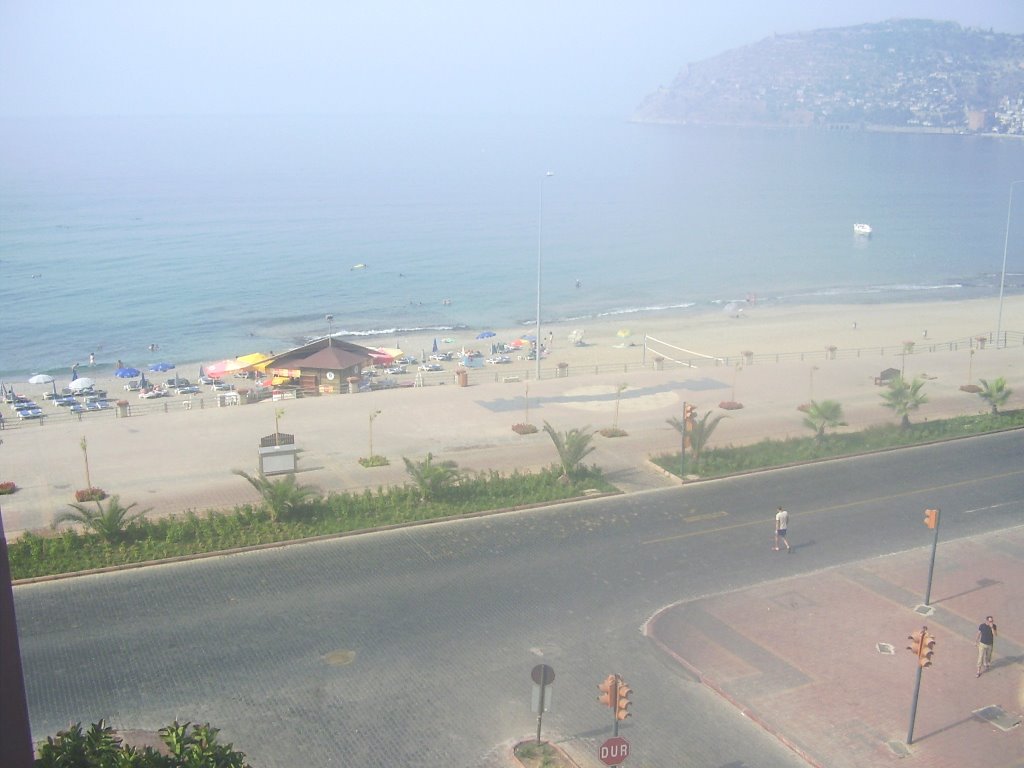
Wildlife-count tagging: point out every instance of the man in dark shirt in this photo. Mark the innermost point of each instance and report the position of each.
(986, 639)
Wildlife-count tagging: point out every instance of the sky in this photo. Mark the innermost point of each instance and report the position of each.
(394, 57)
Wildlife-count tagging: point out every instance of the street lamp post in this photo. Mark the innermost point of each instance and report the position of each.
(1006, 247)
(540, 251)
(330, 328)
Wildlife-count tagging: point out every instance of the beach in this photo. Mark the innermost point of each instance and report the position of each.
(769, 358)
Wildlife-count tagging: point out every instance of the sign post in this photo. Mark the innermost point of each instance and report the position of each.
(931, 519)
(542, 676)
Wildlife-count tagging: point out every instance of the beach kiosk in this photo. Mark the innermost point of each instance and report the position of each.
(278, 454)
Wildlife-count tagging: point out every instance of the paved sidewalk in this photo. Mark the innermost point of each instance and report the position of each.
(809, 658)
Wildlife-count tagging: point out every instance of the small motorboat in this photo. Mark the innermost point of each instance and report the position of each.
(862, 229)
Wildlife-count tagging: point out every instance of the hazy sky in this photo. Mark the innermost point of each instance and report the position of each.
(395, 57)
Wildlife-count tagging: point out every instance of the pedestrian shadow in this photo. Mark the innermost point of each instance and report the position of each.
(802, 544)
(982, 584)
(1006, 661)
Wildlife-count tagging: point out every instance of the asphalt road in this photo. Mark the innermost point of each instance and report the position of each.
(414, 647)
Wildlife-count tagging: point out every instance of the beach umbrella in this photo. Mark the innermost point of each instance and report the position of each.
(202, 373)
(528, 337)
(127, 373)
(435, 345)
(222, 368)
(255, 360)
(486, 335)
(44, 378)
(83, 382)
(623, 333)
(162, 367)
(519, 343)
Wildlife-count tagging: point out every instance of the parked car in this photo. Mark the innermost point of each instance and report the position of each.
(431, 367)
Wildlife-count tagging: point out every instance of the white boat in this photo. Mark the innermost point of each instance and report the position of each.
(862, 229)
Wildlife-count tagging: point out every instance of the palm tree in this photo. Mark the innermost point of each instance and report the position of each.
(828, 414)
(572, 446)
(283, 498)
(902, 398)
(699, 434)
(995, 393)
(431, 478)
(108, 523)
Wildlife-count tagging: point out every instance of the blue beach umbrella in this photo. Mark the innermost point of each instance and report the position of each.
(161, 367)
(486, 335)
(435, 346)
(127, 373)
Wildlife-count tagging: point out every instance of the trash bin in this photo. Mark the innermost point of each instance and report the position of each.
(462, 376)
(123, 408)
(353, 384)
(562, 370)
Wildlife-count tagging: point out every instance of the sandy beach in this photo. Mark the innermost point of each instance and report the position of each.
(171, 459)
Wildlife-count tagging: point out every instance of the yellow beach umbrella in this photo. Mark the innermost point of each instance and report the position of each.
(256, 360)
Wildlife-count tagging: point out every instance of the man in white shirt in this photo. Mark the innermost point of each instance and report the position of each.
(781, 524)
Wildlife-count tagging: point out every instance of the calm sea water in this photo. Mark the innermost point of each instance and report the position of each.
(214, 237)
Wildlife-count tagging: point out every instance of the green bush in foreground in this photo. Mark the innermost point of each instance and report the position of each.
(718, 462)
(99, 747)
(144, 540)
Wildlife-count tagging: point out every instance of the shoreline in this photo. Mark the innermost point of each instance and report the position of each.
(882, 324)
(632, 317)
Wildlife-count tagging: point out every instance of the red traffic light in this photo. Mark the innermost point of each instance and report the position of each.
(931, 518)
(608, 690)
(622, 702)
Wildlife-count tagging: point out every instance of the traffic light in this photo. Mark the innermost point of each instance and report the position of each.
(931, 518)
(622, 702)
(924, 657)
(689, 415)
(608, 689)
(916, 639)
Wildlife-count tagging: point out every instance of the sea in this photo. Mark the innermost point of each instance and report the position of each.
(191, 239)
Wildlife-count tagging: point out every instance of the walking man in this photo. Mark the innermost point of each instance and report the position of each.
(781, 524)
(986, 640)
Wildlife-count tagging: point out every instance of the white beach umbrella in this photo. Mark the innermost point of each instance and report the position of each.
(81, 383)
(43, 378)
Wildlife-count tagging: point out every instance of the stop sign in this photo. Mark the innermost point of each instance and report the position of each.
(614, 751)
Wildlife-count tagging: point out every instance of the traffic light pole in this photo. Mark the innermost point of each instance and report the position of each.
(913, 707)
(931, 565)
(615, 708)
(682, 448)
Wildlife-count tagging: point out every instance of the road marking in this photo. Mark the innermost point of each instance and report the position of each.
(993, 506)
(708, 516)
(834, 508)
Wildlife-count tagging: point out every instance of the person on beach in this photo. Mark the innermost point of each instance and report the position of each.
(92, 359)
(986, 640)
(781, 525)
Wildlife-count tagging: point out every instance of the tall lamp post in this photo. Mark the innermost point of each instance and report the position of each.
(1006, 247)
(540, 250)
(330, 328)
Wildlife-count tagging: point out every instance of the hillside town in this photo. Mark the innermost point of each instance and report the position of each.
(896, 75)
